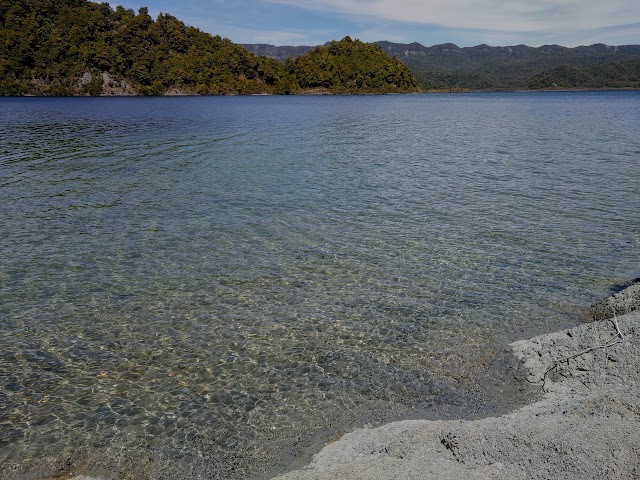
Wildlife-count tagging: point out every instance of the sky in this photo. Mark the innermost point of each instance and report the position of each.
(463, 22)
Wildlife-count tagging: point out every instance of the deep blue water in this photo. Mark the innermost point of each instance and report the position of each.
(197, 281)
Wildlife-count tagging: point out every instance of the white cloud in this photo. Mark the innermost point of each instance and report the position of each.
(464, 22)
(504, 15)
(274, 37)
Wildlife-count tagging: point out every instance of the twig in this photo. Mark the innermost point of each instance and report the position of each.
(615, 322)
(614, 340)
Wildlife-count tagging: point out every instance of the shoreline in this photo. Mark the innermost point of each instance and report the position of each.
(586, 425)
(342, 94)
(575, 414)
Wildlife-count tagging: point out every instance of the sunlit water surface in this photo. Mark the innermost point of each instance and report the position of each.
(197, 285)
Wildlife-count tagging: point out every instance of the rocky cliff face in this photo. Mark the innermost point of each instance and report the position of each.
(111, 86)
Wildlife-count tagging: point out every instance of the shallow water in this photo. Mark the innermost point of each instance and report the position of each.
(203, 282)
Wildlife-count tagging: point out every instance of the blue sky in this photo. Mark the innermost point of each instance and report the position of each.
(463, 22)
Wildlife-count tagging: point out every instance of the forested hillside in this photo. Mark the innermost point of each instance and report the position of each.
(76, 47)
(79, 47)
(351, 66)
(515, 67)
(447, 66)
(62, 47)
(618, 74)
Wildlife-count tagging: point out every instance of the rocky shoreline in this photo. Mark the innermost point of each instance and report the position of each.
(586, 426)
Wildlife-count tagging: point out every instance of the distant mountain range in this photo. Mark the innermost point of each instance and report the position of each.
(483, 67)
(278, 53)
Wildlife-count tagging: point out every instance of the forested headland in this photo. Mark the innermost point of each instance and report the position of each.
(78, 47)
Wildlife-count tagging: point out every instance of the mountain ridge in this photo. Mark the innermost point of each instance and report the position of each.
(396, 48)
(484, 67)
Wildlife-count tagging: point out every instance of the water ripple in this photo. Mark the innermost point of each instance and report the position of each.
(205, 283)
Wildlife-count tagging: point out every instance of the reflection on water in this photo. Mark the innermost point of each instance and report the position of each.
(201, 286)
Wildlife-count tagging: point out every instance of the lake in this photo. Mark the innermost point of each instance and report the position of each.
(213, 287)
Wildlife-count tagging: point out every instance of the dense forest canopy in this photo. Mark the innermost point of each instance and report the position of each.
(516, 67)
(618, 74)
(66, 47)
(351, 66)
(48, 45)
